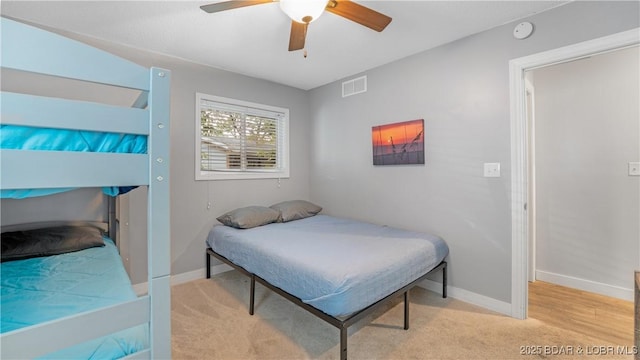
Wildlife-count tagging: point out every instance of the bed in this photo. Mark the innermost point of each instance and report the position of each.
(339, 269)
(38, 289)
(78, 303)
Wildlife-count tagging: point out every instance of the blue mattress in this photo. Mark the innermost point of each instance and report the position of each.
(337, 265)
(47, 288)
(32, 138)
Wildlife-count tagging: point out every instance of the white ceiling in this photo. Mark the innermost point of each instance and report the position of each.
(253, 40)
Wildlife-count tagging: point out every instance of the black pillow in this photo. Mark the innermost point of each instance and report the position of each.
(18, 245)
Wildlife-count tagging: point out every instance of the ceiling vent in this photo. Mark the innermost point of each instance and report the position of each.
(355, 86)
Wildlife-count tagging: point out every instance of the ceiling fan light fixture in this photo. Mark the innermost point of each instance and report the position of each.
(303, 11)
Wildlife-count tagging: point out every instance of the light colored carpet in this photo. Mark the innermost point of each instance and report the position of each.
(210, 320)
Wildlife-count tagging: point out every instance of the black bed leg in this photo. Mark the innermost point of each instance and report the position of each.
(252, 296)
(343, 343)
(208, 261)
(406, 310)
(444, 281)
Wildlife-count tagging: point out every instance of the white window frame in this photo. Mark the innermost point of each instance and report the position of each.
(283, 154)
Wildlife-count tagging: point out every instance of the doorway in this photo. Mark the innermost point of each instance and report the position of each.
(520, 172)
(583, 206)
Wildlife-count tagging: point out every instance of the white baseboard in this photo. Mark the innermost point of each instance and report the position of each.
(469, 297)
(586, 285)
(198, 274)
(456, 293)
(143, 288)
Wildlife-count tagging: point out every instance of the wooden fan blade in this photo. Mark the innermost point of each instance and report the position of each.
(298, 35)
(233, 4)
(358, 13)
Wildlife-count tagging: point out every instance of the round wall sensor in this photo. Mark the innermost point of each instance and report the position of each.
(523, 30)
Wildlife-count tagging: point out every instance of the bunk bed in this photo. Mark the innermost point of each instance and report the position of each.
(340, 270)
(40, 171)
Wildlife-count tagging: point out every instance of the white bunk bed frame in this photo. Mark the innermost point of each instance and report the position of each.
(34, 50)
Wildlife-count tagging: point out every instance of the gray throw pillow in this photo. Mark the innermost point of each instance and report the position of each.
(296, 209)
(249, 217)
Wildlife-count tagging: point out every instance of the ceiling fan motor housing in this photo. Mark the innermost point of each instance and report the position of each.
(303, 11)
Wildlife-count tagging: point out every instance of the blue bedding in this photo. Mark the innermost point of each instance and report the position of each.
(32, 138)
(337, 265)
(47, 288)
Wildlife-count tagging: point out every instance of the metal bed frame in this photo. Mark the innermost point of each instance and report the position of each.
(341, 324)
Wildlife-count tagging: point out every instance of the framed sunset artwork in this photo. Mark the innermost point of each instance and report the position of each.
(398, 143)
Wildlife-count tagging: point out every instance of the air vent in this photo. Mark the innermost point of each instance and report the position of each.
(355, 86)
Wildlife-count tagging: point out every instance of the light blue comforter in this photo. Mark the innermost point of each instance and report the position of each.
(337, 265)
(32, 138)
(47, 288)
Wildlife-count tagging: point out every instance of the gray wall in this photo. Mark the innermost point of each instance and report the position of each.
(462, 91)
(79, 204)
(588, 207)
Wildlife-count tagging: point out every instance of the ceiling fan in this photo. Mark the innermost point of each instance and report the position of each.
(303, 12)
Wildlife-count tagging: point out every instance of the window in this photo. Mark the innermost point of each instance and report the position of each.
(240, 140)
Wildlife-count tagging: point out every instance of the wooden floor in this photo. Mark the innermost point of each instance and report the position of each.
(591, 314)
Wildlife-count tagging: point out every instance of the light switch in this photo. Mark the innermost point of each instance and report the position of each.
(634, 168)
(491, 169)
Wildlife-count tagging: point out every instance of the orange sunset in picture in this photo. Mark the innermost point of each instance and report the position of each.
(398, 143)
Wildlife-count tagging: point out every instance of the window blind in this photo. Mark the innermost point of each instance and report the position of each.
(240, 139)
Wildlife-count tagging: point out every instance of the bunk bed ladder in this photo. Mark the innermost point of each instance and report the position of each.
(158, 231)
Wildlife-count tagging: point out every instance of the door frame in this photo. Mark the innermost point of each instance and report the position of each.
(520, 187)
(530, 104)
